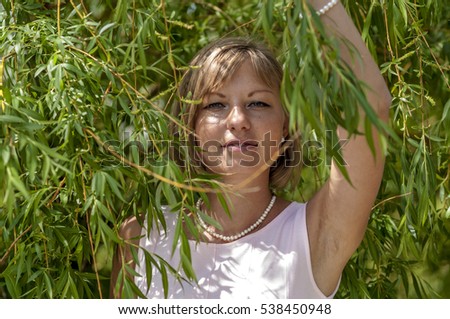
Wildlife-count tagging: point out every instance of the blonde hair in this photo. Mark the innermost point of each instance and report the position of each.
(211, 68)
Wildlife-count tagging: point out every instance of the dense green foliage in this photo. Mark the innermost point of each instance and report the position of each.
(86, 91)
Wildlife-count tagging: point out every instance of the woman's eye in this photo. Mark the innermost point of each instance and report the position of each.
(214, 106)
(258, 104)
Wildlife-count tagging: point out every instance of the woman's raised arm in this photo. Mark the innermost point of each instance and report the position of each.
(337, 215)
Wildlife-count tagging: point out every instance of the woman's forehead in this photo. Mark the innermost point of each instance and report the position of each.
(215, 77)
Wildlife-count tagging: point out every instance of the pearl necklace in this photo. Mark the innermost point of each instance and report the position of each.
(242, 233)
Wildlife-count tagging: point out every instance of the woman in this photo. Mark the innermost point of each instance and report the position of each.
(267, 247)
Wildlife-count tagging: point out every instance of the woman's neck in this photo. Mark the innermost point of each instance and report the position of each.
(244, 209)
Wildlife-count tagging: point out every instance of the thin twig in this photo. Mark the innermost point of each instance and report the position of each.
(127, 84)
(91, 244)
(149, 172)
(58, 17)
(83, 17)
(3, 260)
(391, 198)
(56, 193)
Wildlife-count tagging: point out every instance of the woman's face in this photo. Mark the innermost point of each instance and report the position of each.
(239, 127)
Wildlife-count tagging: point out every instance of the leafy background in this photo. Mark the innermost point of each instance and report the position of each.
(85, 96)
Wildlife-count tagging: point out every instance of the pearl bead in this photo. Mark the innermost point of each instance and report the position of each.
(242, 233)
(324, 9)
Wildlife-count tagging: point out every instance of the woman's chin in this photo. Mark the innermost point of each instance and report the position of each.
(235, 170)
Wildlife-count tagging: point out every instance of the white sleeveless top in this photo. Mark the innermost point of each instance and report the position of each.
(273, 262)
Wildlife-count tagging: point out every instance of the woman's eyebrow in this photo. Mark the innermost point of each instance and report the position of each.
(250, 94)
(217, 93)
(260, 91)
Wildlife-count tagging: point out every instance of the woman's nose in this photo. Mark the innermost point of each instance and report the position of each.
(238, 119)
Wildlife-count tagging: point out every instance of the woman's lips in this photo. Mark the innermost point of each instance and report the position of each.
(238, 146)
